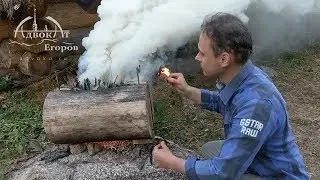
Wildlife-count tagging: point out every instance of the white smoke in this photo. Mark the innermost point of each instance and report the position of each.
(130, 30)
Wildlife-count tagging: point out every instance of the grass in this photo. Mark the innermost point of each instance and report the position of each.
(287, 62)
(21, 130)
(180, 121)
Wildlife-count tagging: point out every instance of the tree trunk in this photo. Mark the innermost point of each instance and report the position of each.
(35, 64)
(10, 55)
(120, 113)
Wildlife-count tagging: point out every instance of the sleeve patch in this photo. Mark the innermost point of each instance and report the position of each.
(250, 127)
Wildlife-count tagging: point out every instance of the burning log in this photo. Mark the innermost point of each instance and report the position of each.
(119, 113)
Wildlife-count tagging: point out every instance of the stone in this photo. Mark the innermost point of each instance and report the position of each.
(77, 148)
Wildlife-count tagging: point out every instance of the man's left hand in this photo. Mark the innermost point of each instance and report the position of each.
(165, 159)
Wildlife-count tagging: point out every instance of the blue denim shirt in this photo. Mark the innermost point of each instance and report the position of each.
(258, 134)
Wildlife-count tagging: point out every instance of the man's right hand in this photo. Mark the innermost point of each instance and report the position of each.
(179, 83)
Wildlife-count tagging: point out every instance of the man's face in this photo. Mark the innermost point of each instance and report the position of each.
(212, 65)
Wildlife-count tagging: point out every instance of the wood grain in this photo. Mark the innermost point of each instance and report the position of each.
(121, 113)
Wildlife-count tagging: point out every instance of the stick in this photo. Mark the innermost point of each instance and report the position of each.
(115, 80)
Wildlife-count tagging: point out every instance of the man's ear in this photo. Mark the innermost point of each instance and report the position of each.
(226, 59)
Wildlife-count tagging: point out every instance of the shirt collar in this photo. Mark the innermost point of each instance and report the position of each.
(227, 91)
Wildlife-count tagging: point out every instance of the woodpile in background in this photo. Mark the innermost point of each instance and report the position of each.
(33, 61)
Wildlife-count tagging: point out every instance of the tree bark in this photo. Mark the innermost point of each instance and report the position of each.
(35, 64)
(71, 16)
(10, 55)
(120, 113)
(5, 29)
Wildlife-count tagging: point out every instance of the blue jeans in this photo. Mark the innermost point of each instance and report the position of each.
(213, 148)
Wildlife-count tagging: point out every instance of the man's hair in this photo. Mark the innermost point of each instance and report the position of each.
(228, 33)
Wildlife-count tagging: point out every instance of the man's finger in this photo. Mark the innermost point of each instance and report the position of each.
(157, 146)
(163, 145)
(172, 80)
(175, 75)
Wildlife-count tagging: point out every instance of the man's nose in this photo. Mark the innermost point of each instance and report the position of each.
(198, 58)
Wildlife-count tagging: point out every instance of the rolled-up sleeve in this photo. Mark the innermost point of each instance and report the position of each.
(210, 100)
(252, 124)
(190, 167)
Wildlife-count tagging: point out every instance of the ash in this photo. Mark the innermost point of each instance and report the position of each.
(132, 162)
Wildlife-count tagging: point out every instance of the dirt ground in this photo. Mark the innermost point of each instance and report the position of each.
(301, 90)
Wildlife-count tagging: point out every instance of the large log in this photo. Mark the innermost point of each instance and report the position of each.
(5, 29)
(10, 55)
(35, 64)
(121, 113)
(71, 16)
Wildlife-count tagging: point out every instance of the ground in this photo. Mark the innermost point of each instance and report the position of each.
(296, 74)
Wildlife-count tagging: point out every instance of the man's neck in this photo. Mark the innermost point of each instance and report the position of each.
(230, 73)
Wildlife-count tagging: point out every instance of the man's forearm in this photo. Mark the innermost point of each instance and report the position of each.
(194, 94)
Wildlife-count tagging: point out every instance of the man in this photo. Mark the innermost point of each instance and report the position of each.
(259, 142)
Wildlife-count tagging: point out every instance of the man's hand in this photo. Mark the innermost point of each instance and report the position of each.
(178, 82)
(165, 159)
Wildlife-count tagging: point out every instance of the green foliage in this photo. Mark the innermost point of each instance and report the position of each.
(21, 131)
(5, 84)
(294, 59)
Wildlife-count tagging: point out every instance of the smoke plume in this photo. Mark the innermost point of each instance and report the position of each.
(141, 32)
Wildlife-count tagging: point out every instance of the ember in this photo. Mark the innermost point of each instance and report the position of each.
(113, 144)
(164, 72)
